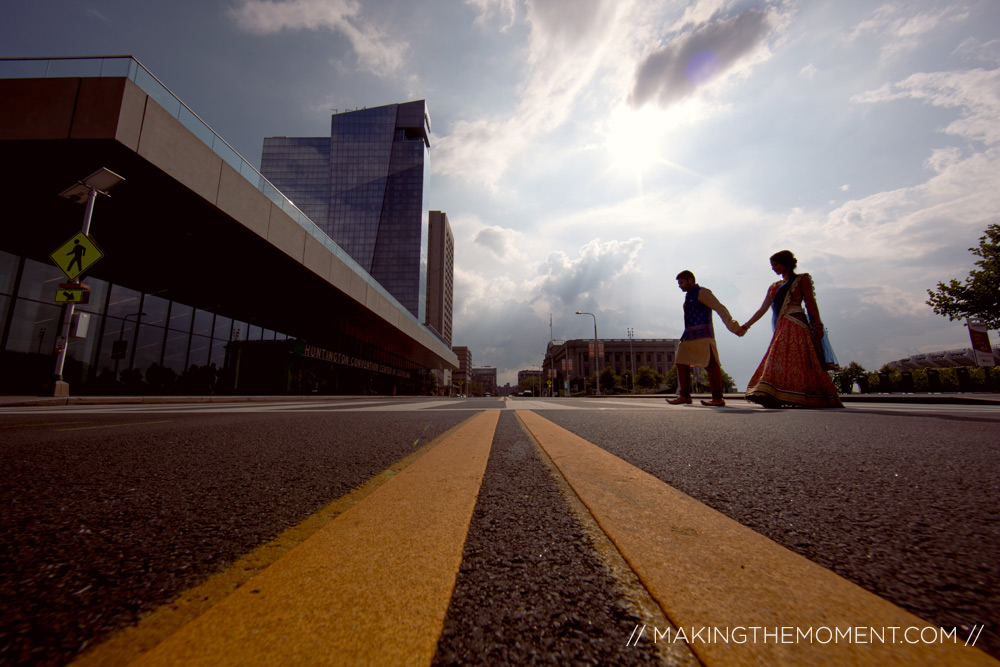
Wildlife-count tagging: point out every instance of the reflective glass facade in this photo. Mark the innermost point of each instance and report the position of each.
(365, 186)
(136, 343)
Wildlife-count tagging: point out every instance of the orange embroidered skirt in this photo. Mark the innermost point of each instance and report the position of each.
(791, 374)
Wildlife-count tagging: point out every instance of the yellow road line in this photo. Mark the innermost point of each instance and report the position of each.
(371, 587)
(88, 428)
(708, 571)
(132, 641)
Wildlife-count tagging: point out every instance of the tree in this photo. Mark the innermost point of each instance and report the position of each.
(608, 380)
(701, 385)
(728, 383)
(646, 378)
(670, 379)
(854, 372)
(626, 378)
(979, 296)
(531, 383)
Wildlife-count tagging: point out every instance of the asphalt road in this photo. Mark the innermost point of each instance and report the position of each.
(113, 511)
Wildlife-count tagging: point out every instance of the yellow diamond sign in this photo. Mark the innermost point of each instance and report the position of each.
(77, 255)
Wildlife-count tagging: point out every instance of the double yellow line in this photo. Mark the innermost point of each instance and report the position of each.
(372, 586)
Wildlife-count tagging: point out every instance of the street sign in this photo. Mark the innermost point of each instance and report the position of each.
(981, 348)
(74, 295)
(78, 254)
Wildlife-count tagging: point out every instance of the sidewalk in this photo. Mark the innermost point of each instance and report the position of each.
(21, 401)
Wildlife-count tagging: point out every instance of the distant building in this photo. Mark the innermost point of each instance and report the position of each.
(486, 376)
(444, 386)
(365, 186)
(570, 361)
(226, 286)
(440, 275)
(530, 373)
(460, 378)
(943, 359)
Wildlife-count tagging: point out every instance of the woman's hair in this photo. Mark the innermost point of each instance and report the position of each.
(785, 258)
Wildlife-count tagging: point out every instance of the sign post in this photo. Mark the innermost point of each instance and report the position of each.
(74, 257)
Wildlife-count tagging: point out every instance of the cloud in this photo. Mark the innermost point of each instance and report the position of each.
(697, 57)
(901, 29)
(376, 52)
(699, 12)
(561, 284)
(488, 8)
(570, 41)
(977, 50)
(976, 93)
(570, 280)
(504, 244)
(91, 11)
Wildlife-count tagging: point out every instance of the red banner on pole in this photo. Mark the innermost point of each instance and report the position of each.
(981, 348)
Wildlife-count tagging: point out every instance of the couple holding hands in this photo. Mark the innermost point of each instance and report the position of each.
(794, 369)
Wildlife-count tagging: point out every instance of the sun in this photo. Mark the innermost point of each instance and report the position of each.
(634, 140)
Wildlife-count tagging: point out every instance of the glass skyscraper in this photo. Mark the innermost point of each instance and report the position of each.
(365, 187)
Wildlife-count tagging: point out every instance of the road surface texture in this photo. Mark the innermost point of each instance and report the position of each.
(128, 526)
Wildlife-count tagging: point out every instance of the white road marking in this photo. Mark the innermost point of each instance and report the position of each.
(473, 405)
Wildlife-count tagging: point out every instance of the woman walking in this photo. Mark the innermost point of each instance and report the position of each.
(793, 371)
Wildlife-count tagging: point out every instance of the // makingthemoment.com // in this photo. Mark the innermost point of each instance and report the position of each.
(796, 635)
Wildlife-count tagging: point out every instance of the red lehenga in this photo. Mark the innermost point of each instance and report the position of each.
(792, 374)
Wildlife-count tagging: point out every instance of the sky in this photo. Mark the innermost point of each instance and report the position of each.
(586, 151)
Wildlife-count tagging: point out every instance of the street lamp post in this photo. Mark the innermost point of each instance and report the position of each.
(597, 369)
(631, 354)
(99, 182)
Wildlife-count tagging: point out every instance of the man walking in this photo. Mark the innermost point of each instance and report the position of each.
(697, 346)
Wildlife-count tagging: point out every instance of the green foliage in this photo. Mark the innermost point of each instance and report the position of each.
(934, 380)
(728, 384)
(530, 383)
(608, 380)
(670, 379)
(626, 380)
(647, 378)
(847, 376)
(979, 295)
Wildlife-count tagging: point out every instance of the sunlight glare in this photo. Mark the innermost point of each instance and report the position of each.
(634, 139)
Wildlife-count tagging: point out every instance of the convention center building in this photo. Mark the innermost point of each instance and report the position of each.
(140, 253)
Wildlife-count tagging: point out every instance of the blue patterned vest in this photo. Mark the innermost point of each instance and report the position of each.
(697, 317)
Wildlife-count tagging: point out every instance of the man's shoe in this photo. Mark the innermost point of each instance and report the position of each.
(714, 403)
(680, 400)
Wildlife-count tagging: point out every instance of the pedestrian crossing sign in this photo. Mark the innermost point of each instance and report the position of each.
(76, 255)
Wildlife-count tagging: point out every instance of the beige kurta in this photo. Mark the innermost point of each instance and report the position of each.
(697, 352)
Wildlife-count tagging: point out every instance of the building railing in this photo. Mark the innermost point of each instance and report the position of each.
(130, 68)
